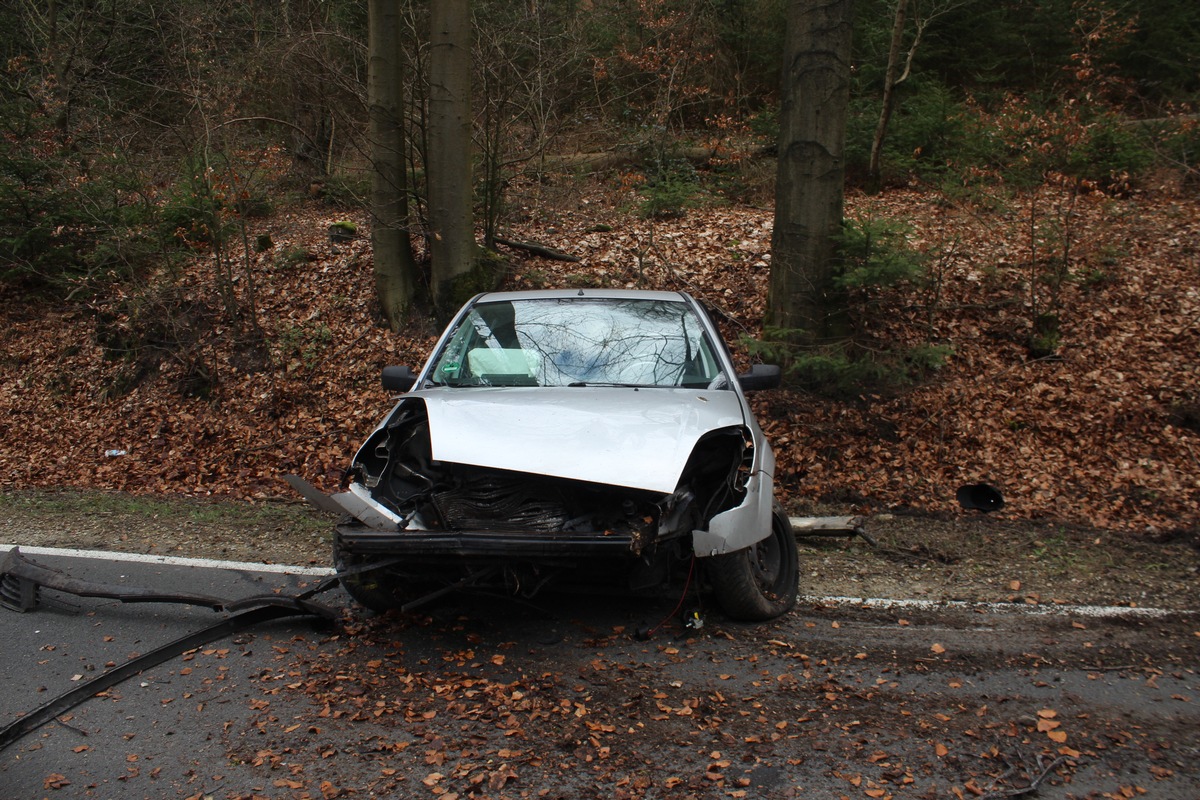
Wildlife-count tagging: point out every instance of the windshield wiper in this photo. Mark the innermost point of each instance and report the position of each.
(613, 384)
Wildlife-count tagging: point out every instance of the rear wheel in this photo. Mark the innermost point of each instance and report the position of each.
(759, 582)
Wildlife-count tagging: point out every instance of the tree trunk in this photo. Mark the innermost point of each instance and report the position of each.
(395, 270)
(803, 299)
(889, 93)
(453, 247)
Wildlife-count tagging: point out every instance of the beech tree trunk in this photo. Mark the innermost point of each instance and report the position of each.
(453, 249)
(889, 93)
(395, 270)
(803, 302)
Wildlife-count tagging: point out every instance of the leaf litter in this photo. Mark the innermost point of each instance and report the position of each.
(1104, 433)
(1098, 442)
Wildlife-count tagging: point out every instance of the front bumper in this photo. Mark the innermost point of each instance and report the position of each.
(507, 545)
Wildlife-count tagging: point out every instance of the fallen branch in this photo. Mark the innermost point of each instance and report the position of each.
(1033, 786)
(538, 250)
(629, 156)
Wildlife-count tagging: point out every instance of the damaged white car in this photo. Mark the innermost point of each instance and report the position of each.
(569, 436)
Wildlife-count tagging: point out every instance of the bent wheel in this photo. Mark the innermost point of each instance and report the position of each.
(759, 582)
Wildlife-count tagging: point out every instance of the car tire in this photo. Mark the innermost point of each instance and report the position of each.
(759, 582)
(375, 589)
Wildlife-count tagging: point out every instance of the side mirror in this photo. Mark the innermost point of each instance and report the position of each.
(398, 379)
(760, 376)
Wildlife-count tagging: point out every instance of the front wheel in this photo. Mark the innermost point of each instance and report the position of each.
(373, 589)
(759, 582)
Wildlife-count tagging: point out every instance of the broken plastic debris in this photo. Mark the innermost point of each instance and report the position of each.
(980, 496)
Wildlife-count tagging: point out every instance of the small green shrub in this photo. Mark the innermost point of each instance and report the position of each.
(211, 200)
(876, 254)
(584, 280)
(1045, 337)
(303, 346)
(670, 190)
(848, 370)
(1178, 148)
(765, 124)
(877, 270)
(255, 206)
(1109, 152)
(928, 133)
(292, 257)
(192, 212)
(346, 190)
(70, 221)
(536, 278)
(745, 181)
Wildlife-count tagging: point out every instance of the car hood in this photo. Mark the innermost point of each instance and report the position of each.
(637, 438)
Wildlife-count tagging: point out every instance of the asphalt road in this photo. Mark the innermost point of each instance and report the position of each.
(490, 698)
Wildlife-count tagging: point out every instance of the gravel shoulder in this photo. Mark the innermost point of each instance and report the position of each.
(936, 558)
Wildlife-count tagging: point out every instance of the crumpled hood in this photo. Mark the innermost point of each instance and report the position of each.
(638, 438)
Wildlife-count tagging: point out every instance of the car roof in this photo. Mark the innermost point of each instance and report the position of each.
(566, 294)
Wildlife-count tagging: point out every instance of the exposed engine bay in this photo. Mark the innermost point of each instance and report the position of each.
(397, 467)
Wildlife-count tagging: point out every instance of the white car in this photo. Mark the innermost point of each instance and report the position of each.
(567, 436)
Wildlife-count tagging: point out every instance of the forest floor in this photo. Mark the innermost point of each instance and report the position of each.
(155, 392)
(148, 421)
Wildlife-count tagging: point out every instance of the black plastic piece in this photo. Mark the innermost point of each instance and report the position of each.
(398, 379)
(760, 376)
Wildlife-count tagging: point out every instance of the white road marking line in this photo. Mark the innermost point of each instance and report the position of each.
(867, 602)
(207, 563)
(1004, 608)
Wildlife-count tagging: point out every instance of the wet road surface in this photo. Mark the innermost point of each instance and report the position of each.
(488, 697)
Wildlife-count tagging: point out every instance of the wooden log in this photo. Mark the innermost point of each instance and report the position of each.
(538, 249)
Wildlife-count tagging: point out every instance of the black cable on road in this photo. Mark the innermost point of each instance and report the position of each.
(81, 693)
(259, 609)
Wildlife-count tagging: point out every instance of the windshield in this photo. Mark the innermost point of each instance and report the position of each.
(579, 342)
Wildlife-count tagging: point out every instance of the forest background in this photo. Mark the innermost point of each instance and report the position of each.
(186, 279)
